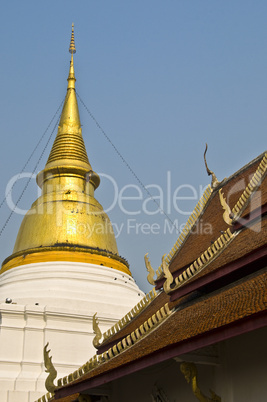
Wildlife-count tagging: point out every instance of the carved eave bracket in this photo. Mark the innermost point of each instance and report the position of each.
(189, 371)
(214, 181)
(171, 284)
(167, 275)
(49, 382)
(227, 215)
(150, 270)
(97, 332)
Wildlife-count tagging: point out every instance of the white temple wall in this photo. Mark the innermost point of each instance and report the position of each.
(68, 295)
(244, 368)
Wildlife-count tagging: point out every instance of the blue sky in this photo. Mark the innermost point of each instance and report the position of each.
(162, 78)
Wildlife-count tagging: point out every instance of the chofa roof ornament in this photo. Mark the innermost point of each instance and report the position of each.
(227, 215)
(150, 271)
(97, 331)
(214, 181)
(50, 369)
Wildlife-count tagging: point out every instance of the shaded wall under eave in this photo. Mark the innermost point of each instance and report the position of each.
(239, 376)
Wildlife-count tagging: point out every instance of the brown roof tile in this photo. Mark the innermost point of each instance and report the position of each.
(199, 242)
(259, 198)
(155, 305)
(245, 299)
(211, 223)
(198, 316)
(247, 241)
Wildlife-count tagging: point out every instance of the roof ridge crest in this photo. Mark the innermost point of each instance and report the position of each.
(201, 262)
(140, 306)
(193, 218)
(144, 329)
(250, 189)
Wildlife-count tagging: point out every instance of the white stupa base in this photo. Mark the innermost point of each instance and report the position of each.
(55, 303)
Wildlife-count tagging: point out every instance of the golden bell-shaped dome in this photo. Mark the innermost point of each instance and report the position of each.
(67, 223)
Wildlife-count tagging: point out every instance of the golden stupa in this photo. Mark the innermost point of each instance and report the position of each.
(67, 223)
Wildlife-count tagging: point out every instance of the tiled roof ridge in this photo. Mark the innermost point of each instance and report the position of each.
(199, 264)
(140, 306)
(46, 398)
(199, 208)
(218, 246)
(250, 189)
(241, 170)
(150, 324)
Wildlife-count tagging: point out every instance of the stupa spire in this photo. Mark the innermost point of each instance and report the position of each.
(68, 151)
(67, 223)
(72, 48)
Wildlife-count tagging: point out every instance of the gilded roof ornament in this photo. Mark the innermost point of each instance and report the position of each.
(189, 370)
(49, 382)
(214, 181)
(167, 275)
(199, 264)
(144, 329)
(97, 331)
(227, 210)
(192, 220)
(150, 271)
(251, 188)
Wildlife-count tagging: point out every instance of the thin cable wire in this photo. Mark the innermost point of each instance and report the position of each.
(30, 178)
(33, 152)
(125, 162)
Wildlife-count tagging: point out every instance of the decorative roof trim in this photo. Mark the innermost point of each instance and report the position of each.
(250, 189)
(46, 398)
(227, 210)
(257, 318)
(130, 315)
(212, 252)
(97, 331)
(144, 329)
(187, 229)
(150, 270)
(214, 182)
(199, 264)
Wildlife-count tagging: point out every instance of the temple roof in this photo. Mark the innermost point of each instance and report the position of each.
(213, 288)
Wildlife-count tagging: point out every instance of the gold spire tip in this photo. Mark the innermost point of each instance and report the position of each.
(72, 48)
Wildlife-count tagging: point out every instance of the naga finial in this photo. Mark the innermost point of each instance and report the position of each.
(214, 181)
(72, 48)
(97, 331)
(189, 371)
(227, 210)
(167, 275)
(150, 271)
(49, 382)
